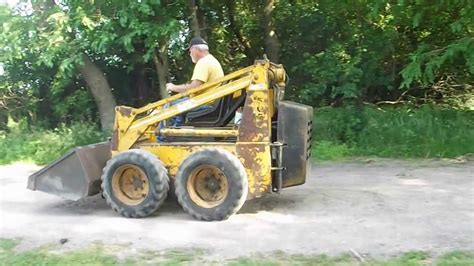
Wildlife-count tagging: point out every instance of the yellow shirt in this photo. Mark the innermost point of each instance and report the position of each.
(207, 69)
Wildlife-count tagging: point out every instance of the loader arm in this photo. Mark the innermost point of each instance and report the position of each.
(132, 123)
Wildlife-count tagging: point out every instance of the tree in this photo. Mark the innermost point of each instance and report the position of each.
(70, 34)
(197, 22)
(272, 44)
(101, 91)
(72, 61)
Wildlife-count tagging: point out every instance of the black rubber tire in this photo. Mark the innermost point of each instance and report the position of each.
(236, 177)
(157, 177)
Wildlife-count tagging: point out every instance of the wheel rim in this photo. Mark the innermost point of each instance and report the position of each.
(207, 186)
(130, 184)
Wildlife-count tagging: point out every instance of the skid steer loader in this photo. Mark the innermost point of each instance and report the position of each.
(213, 164)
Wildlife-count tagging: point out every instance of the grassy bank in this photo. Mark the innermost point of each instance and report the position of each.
(338, 133)
(404, 132)
(43, 146)
(102, 255)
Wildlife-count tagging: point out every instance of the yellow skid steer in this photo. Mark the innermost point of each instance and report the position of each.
(213, 162)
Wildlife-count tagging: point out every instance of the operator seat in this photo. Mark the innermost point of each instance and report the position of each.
(220, 113)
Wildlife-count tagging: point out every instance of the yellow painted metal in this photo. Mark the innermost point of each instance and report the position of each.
(200, 89)
(140, 118)
(192, 103)
(255, 157)
(253, 144)
(138, 127)
(173, 153)
(198, 132)
(130, 184)
(134, 128)
(207, 186)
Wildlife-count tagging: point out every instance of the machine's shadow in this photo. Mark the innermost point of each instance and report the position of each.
(97, 206)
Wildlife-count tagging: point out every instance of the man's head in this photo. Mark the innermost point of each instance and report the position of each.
(197, 48)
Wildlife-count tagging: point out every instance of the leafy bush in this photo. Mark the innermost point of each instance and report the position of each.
(43, 146)
(326, 150)
(394, 132)
(329, 73)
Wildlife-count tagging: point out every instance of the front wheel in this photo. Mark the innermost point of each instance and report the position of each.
(135, 183)
(211, 184)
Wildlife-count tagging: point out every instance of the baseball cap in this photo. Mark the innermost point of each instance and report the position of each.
(196, 41)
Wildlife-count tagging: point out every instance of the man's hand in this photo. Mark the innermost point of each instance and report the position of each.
(170, 87)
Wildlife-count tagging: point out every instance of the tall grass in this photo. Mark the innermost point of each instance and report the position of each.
(393, 132)
(43, 146)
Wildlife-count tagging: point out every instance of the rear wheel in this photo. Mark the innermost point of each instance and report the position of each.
(211, 184)
(135, 183)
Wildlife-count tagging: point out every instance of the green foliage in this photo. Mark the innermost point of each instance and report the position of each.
(40, 53)
(456, 258)
(43, 146)
(91, 256)
(363, 50)
(168, 257)
(412, 258)
(327, 150)
(335, 52)
(282, 258)
(330, 73)
(450, 51)
(374, 50)
(7, 244)
(393, 132)
(97, 255)
(39, 71)
(426, 64)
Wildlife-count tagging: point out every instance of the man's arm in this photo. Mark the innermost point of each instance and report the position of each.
(184, 87)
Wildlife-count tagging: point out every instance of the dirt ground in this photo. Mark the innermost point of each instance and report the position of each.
(379, 208)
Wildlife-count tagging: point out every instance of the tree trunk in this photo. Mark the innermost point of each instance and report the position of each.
(45, 108)
(101, 91)
(197, 21)
(93, 76)
(141, 84)
(249, 51)
(272, 44)
(4, 119)
(160, 59)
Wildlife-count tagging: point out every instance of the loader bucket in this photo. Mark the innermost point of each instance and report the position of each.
(75, 175)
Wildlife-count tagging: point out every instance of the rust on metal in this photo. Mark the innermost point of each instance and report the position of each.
(114, 140)
(125, 110)
(207, 186)
(255, 123)
(256, 159)
(133, 125)
(130, 184)
(172, 154)
(75, 175)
